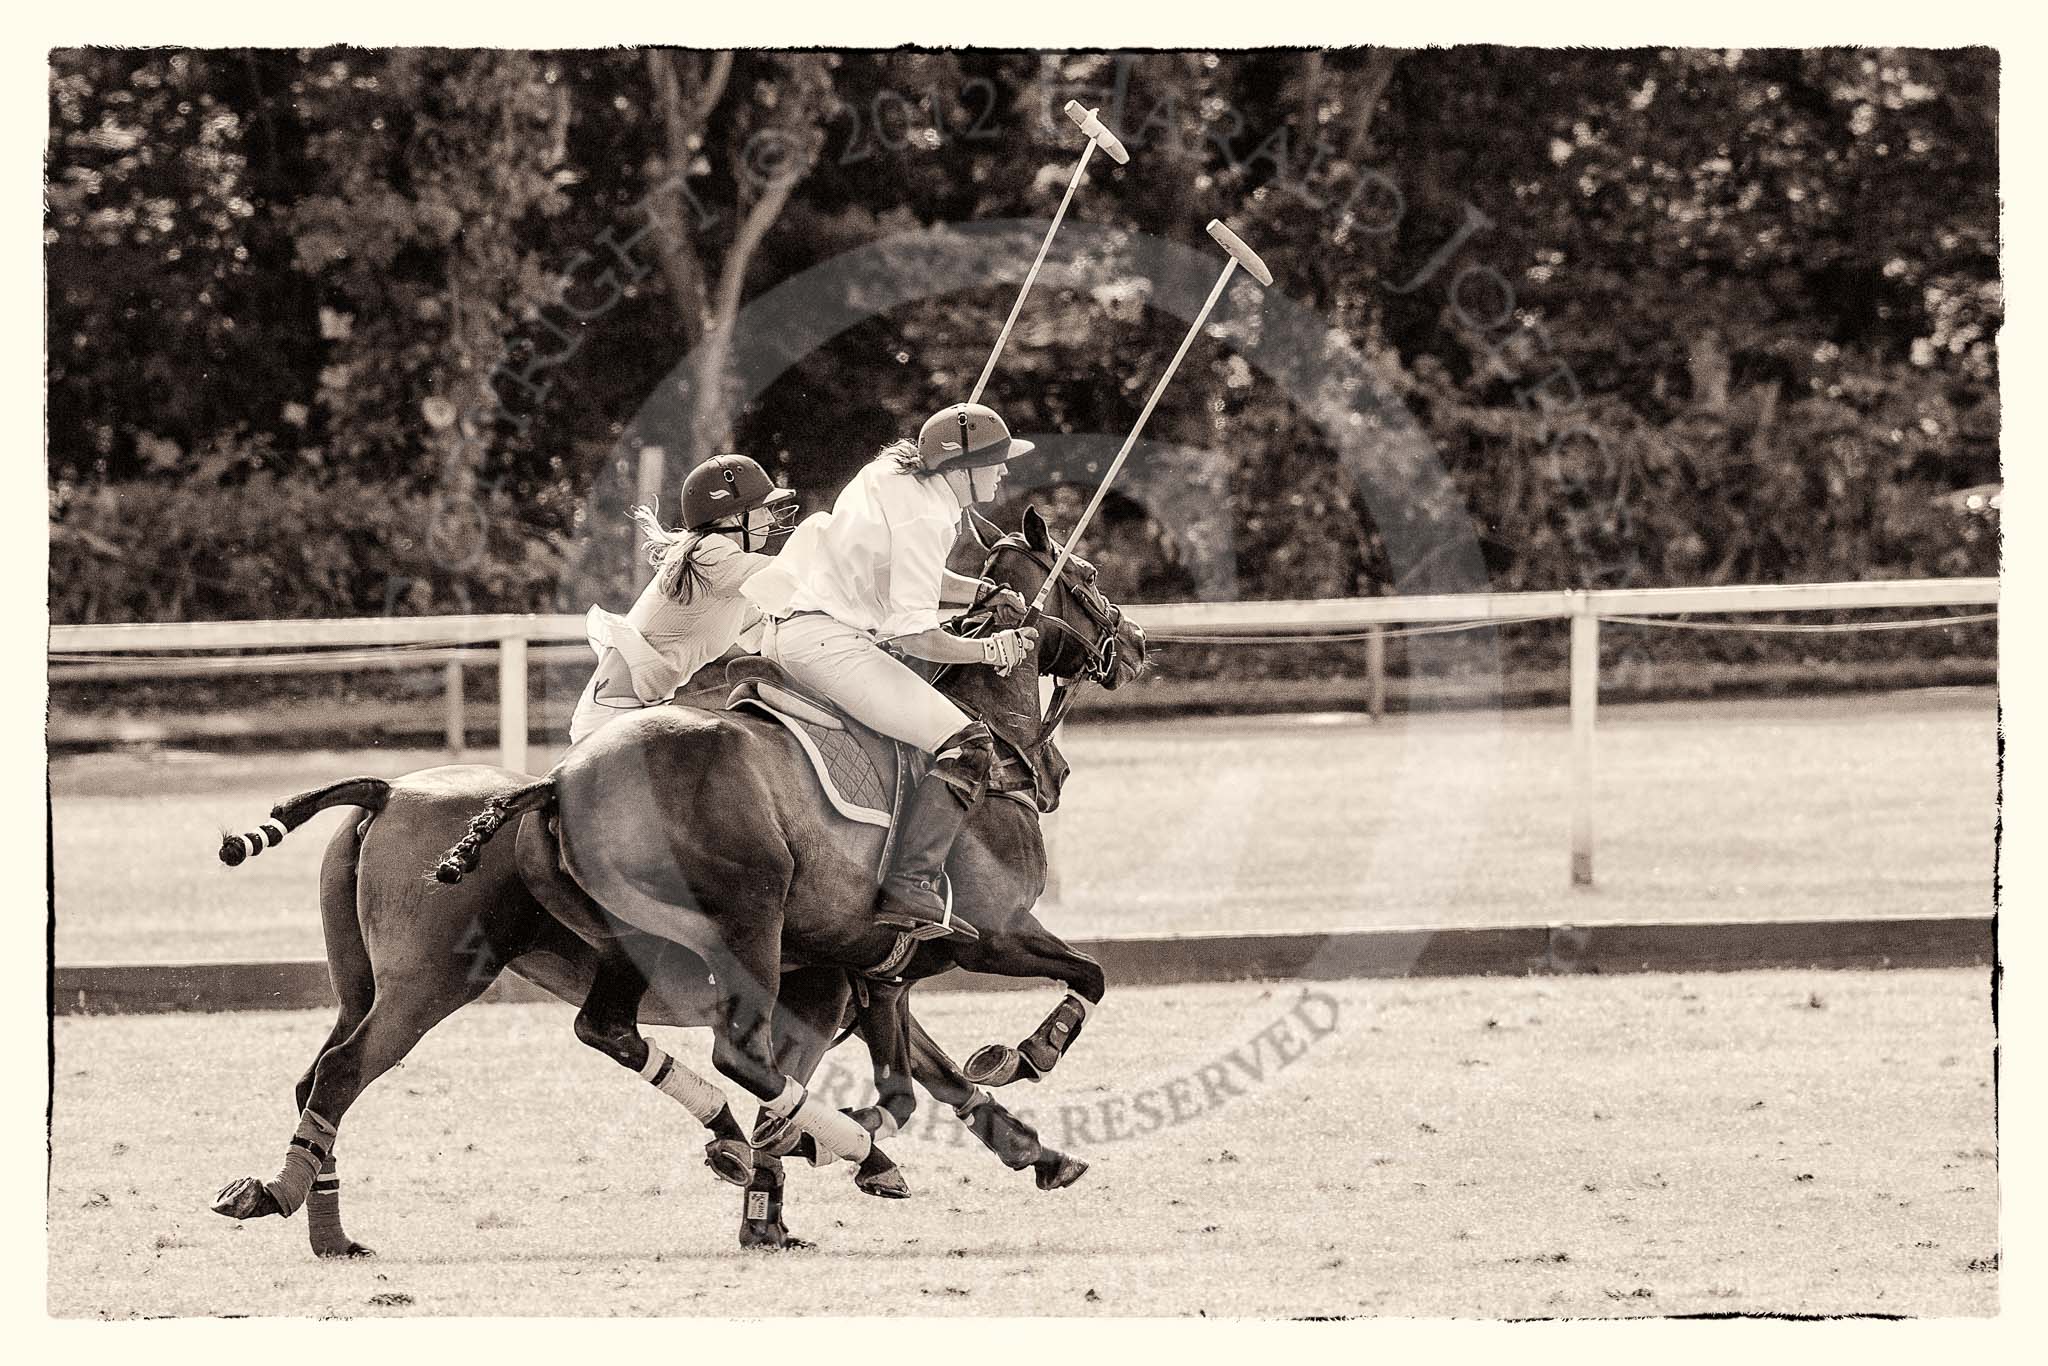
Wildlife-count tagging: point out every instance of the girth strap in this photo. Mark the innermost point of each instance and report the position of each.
(887, 969)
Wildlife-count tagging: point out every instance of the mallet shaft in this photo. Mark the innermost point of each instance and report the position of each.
(1031, 275)
(1102, 489)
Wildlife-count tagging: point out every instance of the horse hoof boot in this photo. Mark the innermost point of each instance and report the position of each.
(777, 1137)
(1038, 1057)
(350, 1252)
(1057, 1171)
(730, 1160)
(245, 1198)
(880, 1176)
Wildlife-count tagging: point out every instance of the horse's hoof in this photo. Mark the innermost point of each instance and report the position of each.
(777, 1137)
(730, 1159)
(245, 1198)
(351, 1251)
(880, 1176)
(762, 1237)
(1057, 1171)
(994, 1064)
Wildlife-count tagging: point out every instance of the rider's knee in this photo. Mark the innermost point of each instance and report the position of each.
(964, 759)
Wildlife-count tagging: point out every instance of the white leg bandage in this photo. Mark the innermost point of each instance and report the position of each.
(681, 1085)
(836, 1135)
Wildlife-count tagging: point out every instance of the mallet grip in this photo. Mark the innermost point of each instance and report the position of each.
(1093, 127)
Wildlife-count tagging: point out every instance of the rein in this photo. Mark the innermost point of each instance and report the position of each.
(1099, 657)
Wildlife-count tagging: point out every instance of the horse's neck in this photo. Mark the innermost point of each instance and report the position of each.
(1007, 705)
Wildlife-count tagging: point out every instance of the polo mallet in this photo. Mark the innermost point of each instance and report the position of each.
(1097, 136)
(1240, 255)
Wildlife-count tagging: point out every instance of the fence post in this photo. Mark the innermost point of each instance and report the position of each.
(1585, 700)
(458, 723)
(512, 703)
(1376, 671)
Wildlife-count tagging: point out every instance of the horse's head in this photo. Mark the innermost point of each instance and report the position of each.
(1083, 634)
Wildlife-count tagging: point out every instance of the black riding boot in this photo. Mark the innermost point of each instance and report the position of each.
(938, 808)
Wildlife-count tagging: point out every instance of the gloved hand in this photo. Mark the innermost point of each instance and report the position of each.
(1005, 649)
(995, 594)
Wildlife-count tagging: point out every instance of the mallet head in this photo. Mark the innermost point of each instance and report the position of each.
(1243, 254)
(1100, 135)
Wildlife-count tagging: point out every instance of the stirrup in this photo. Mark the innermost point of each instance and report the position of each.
(924, 931)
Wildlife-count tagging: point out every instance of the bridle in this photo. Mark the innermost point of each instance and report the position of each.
(1098, 657)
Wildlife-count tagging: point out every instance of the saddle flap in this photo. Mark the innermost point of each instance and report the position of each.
(789, 703)
(754, 677)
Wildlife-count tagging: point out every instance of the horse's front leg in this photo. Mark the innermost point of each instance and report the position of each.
(883, 1016)
(1025, 948)
(1002, 1133)
(744, 1050)
(813, 1002)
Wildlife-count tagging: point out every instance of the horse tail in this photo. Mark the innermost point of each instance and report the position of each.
(293, 812)
(464, 856)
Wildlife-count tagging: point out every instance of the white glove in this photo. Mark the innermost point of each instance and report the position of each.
(1004, 650)
(994, 594)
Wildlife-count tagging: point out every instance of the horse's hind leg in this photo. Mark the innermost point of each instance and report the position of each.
(1002, 1133)
(426, 966)
(401, 1014)
(610, 1018)
(348, 965)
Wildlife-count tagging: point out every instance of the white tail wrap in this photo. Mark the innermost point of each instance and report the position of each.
(681, 1085)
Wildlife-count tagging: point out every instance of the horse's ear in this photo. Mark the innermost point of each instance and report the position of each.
(1035, 534)
(985, 532)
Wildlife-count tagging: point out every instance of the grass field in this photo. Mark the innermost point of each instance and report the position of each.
(1803, 1142)
(1865, 804)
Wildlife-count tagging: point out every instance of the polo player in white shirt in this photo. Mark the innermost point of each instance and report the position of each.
(691, 611)
(871, 573)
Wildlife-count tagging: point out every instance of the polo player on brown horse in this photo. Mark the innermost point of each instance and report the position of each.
(706, 829)
(997, 872)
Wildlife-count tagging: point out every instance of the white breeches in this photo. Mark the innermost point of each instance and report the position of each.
(872, 686)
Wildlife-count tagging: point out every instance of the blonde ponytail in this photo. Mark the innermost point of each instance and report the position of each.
(673, 554)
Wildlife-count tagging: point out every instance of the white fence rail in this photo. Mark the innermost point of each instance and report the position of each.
(449, 641)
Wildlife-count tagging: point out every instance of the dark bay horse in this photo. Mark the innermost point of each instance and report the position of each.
(705, 829)
(405, 952)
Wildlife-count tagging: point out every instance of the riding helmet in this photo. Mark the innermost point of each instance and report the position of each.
(728, 486)
(965, 436)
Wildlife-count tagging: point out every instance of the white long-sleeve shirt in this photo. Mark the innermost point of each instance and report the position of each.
(876, 562)
(663, 642)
